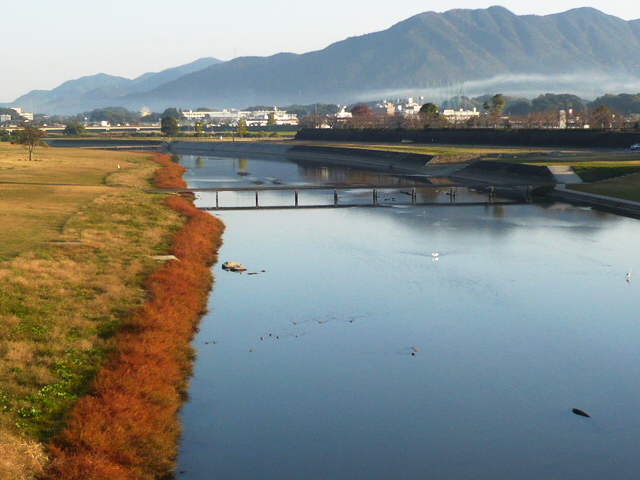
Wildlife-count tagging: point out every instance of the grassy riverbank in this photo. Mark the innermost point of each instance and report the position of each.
(75, 269)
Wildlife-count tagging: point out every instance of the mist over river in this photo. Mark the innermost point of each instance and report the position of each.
(354, 353)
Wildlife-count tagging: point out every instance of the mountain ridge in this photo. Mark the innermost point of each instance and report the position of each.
(581, 50)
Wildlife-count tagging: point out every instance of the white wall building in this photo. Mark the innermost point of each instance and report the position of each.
(24, 115)
(259, 117)
(343, 114)
(456, 116)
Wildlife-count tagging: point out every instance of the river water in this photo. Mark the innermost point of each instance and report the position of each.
(353, 353)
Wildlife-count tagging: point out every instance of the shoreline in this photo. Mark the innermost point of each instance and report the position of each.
(127, 426)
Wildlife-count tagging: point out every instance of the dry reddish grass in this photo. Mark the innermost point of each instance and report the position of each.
(31, 453)
(127, 426)
(171, 175)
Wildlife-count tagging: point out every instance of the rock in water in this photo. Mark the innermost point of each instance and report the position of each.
(577, 411)
(234, 267)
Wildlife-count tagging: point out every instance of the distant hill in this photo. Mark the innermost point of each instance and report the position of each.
(582, 51)
(101, 90)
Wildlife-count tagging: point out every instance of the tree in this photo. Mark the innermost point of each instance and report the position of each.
(361, 111)
(602, 117)
(271, 119)
(242, 127)
(498, 103)
(199, 126)
(113, 115)
(172, 112)
(429, 114)
(30, 135)
(429, 109)
(74, 129)
(170, 126)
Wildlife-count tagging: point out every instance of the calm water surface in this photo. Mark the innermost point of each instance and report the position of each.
(525, 315)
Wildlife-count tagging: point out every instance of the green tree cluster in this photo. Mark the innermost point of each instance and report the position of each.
(170, 126)
(74, 129)
(113, 115)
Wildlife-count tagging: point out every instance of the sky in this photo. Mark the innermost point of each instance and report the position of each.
(45, 42)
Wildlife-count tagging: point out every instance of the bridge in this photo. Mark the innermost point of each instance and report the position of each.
(376, 195)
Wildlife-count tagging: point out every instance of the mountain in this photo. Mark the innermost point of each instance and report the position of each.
(583, 51)
(101, 90)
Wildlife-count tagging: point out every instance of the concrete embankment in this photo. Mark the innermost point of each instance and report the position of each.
(399, 162)
(107, 144)
(568, 138)
(505, 173)
(617, 206)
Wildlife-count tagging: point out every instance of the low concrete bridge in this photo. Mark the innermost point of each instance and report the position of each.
(457, 194)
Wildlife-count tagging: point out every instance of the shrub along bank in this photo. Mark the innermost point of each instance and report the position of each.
(126, 427)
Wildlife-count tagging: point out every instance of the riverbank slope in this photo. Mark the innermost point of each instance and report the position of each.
(73, 270)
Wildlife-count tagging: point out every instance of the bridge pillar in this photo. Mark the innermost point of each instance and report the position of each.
(296, 196)
(257, 205)
(217, 199)
(375, 196)
(413, 196)
(335, 197)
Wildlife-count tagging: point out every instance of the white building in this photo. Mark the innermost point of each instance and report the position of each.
(343, 114)
(24, 115)
(259, 117)
(5, 118)
(409, 108)
(458, 116)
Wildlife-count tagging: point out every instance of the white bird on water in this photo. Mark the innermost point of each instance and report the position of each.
(435, 254)
(629, 276)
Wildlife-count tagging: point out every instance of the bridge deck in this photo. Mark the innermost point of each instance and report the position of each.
(362, 205)
(342, 186)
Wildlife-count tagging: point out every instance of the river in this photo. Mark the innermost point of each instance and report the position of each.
(352, 352)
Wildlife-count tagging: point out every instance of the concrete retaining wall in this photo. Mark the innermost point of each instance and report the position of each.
(398, 161)
(480, 136)
(505, 173)
(106, 143)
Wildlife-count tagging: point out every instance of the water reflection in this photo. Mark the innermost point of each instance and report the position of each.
(351, 353)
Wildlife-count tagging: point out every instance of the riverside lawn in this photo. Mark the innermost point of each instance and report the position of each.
(75, 249)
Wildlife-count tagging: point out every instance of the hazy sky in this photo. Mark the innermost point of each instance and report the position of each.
(45, 42)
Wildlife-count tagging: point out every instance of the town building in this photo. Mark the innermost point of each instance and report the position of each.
(23, 115)
(409, 107)
(459, 116)
(385, 108)
(253, 118)
(343, 114)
